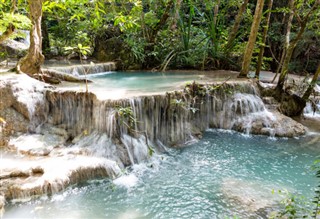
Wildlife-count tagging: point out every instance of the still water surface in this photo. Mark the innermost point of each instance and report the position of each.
(116, 85)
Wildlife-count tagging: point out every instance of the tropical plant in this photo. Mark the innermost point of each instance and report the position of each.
(297, 206)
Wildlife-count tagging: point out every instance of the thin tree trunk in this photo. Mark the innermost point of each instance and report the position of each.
(252, 39)
(176, 15)
(311, 86)
(31, 63)
(287, 38)
(264, 39)
(292, 46)
(45, 36)
(10, 29)
(236, 26)
(214, 27)
(161, 23)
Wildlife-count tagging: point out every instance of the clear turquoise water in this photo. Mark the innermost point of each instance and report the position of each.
(188, 182)
(143, 81)
(116, 85)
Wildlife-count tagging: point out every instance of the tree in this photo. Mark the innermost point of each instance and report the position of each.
(234, 31)
(303, 21)
(312, 84)
(264, 39)
(12, 20)
(252, 39)
(287, 38)
(31, 63)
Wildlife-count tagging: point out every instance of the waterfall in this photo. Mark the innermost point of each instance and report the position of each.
(171, 119)
(104, 136)
(127, 130)
(77, 70)
(312, 109)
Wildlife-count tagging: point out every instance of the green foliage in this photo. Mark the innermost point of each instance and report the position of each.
(196, 40)
(80, 50)
(136, 47)
(195, 89)
(316, 200)
(126, 116)
(19, 21)
(292, 207)
(296, 206)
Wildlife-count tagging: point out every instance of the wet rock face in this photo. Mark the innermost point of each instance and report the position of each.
(27, 177)
(11, 121)
(276, 125)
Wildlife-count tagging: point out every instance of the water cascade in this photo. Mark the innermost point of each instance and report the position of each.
(173, 118)
(123, 132)
(77, 70)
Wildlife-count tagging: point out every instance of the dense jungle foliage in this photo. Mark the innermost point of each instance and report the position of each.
(175, 34)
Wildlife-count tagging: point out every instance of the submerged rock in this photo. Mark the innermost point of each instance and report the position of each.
(255, 197)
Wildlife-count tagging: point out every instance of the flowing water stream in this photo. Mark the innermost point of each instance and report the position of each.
(225, 174)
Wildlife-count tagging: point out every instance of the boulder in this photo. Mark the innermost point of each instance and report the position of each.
(13, 48)
(270, 123)
(36, 144)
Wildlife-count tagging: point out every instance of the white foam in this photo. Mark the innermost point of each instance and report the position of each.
(127, 181)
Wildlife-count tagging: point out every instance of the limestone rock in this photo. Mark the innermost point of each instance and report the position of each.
(254, 197)
(24, 178)
(2, 203)
(275, 124)
(6, 94)
(15, 121)
(13, 48)
(36, 145)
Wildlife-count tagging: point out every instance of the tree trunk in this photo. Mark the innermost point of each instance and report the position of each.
(252, 39)
(264, 39)
(236, 26)
(5, 35)
(45, 36)
(161, 23)
(312, 84)
(31, 63)
(149, 47)
(292, 46)
(287, 38)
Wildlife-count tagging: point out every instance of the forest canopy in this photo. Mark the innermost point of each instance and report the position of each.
(177, 34)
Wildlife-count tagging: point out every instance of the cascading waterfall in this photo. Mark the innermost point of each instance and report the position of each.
(312, 110)
(170, 119)
(77, 70)
(105, 136)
